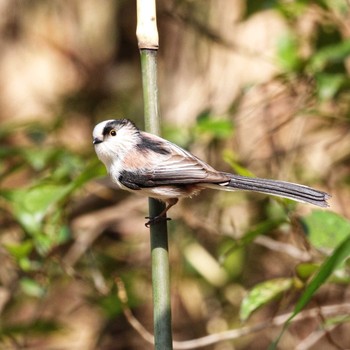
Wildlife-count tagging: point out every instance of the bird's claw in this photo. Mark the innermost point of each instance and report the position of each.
(155, 220)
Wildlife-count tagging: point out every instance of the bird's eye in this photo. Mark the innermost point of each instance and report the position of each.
(113, 132)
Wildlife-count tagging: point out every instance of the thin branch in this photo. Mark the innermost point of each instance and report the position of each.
(313, 338)
(277, 321)
(283, 248)
(134, 322)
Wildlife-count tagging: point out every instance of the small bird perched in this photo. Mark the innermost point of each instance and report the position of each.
(149, 165)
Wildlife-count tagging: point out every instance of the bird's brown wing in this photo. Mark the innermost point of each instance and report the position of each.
(179, 167)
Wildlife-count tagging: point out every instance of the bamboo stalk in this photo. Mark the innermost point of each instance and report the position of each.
(147, 35)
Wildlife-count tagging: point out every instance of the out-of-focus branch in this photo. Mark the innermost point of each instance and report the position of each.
(134, 322)
(283, 248)
(325, 311)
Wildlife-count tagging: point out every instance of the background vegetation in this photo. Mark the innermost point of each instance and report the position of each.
(257, 87)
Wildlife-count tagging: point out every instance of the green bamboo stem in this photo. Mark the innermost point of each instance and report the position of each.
(158, 232)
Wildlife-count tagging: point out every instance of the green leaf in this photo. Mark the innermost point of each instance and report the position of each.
(341, 253)
(28, 265)
(21, 253)
(38, 158)
(110, 305)
(325, 229)
(292, 9)
(20, 250)
(305, 270)
(260, 229)
(328, 85)
(39, 327)
(253, 7)
(327, 268)
(289, 9)
(31, 205)
(229, 157)
(263, 293)
(330, 55)
(218, 127)
(93, 170)
(233, 262)
(288, 53)
(32, 288)
(339, 276)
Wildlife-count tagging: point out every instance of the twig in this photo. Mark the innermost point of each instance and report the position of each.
(283, 248)
(87, 228)
(313, 338)
(134, 322)
(277, 321)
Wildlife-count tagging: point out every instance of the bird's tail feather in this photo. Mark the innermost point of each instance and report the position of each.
(284, 189)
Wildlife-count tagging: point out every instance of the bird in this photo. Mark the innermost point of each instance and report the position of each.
(149, 165)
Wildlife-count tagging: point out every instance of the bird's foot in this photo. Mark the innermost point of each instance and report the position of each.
(155, 220)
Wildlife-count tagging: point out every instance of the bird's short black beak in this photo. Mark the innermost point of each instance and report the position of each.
(96, 141)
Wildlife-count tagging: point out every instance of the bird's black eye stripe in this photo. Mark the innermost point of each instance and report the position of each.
(116, 125)
(107, 129)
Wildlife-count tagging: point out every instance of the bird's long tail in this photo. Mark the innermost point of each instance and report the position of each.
(284, 189)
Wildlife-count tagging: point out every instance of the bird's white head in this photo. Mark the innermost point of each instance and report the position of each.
(113, 139)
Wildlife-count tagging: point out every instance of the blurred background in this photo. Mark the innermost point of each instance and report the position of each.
(256, 87)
